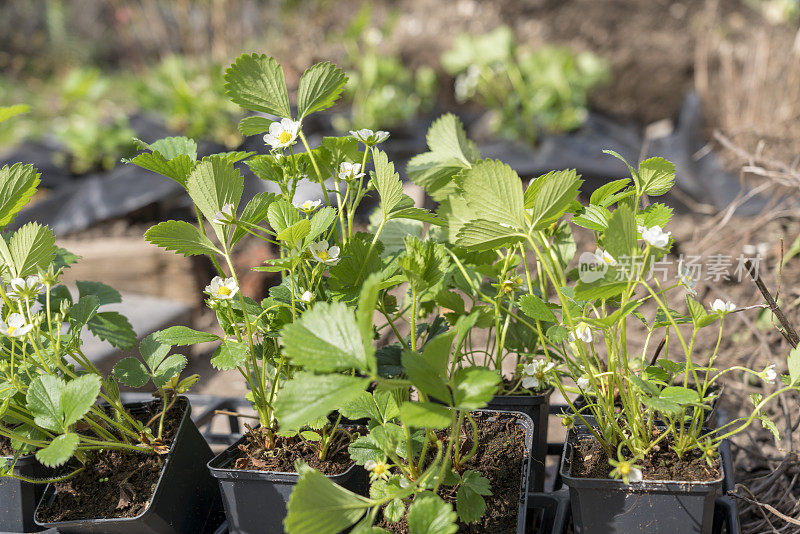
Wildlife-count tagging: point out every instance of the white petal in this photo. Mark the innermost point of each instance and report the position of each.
(23, 330)
(635, 475)
(16, 320)
(530, 382)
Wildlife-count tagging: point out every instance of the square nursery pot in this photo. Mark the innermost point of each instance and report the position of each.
(524, 421)
(537, 407)
(548, 513)
(255, 501)
(183, 501)
(606, 506)
(18, 499)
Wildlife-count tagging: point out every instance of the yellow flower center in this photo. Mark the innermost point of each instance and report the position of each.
(625, 468)
(11, 330)
(285, 137)
(380, 469)
(223, 291)
(323, 255)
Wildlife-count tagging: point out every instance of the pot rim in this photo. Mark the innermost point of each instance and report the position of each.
(539, 394)
(159, 488)
(222, 472)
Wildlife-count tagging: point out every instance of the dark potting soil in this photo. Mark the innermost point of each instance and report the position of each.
(115, 483)
(662, 463)
(256, 454)
(499, 458)
(5, 447)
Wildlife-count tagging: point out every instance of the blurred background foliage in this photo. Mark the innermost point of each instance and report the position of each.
(515, 68)
(527, 90)
(86, 67)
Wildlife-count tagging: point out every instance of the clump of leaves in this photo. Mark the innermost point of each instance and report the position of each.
(94, 131)
(526, 91)
(191, 97)
(382, 90)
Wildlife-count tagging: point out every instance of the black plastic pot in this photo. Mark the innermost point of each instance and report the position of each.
(605, 506)
(18, 499)
(537, 407)
(255, 501)
(522, 420)
(184, 499)
(548, 513)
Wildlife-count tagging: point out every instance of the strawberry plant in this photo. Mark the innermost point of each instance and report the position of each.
(54, 401)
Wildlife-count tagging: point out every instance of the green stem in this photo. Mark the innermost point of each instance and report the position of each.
(46, 480)
(316, 167)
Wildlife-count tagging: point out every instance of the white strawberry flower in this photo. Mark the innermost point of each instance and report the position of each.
(723, 306)
(324, 254)
(604, 257)
(377, 469)
(687, 280)
(535, 374)
(15, 327)
(350, 171)
(626, 470)
(307, 297)
(655, 236)
(20, 288)
(226, 215)
(307, 206)
(368, 137)
(582, 332)
(222, 288)
(770, 374)
(282, 134)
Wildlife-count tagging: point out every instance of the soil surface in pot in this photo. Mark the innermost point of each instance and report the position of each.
(115, 483)
(499, 458)
(5, 447)
(256, 455)
(590, 461)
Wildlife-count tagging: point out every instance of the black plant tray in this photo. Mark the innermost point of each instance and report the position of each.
(550, 511)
